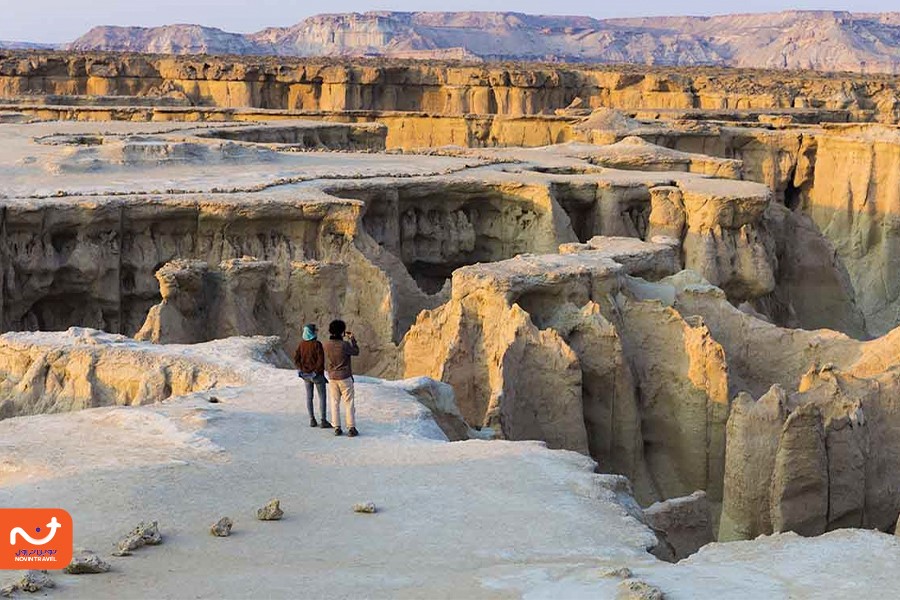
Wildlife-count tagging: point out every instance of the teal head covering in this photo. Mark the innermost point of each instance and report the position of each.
(309, 332)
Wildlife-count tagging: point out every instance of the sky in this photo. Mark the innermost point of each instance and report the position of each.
(57, 21)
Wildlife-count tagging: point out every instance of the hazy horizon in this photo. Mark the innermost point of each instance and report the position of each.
(59, 21)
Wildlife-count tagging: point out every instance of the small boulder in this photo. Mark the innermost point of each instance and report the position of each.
(364, 507)
(31, 582)
(87, 563)
(145, 534)
(685, 524)
(635, 589)
(620, 573)
(271, 511)
(222, 527)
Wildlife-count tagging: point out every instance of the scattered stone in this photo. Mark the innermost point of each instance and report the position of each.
(31, 582)
(364, 507)
(635, 589)
(87, 563)
(213, 400)
(35, 581)
(620, 573)
(271, 511)
(222, 527)
(145, 534)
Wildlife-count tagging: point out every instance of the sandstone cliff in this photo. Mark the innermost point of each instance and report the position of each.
(855, 202)
(437, 88)
(810, 454)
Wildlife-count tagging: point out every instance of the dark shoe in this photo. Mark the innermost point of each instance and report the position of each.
(352, 432)
(313, 422)
(325, 424)
(338, 431)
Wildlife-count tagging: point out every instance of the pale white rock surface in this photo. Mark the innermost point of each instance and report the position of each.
(472, 515)
(780, 567)
(466, 505)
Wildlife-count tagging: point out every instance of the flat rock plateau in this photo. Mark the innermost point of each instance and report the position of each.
(626, 332)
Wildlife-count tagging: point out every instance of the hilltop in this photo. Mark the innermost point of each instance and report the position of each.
(819, 40)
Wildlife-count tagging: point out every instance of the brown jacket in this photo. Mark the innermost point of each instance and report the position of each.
(310, 357)
(338, 353)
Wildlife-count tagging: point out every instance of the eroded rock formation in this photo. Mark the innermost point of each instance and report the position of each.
(633, 292)
(540, 347)
(325, 85)
(653, 394)
(44, 373)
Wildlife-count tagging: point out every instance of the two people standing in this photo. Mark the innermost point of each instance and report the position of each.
(316, 360)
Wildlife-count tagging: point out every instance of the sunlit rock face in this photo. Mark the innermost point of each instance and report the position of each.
(317, 84)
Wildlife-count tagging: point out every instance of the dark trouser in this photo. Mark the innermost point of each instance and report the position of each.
(319, 384)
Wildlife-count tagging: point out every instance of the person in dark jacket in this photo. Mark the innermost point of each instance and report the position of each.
(310, 361)
(339, 347)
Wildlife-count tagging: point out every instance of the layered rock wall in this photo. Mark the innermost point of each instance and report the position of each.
(316, 85)
(855, 202)
(837, 243)
(94, 262)
(812, 453)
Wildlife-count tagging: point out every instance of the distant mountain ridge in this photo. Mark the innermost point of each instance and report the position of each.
(819, 40)
(13, 45)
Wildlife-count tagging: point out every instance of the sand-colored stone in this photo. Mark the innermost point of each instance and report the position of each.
(317, 84)
(144, 534)
(87, 563)
(222, 527)
(271, 511)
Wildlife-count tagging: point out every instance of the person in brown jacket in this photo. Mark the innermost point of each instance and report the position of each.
(310, 361)
(339, 347)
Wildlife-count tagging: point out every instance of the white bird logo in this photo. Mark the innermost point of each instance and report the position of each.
(53, 525)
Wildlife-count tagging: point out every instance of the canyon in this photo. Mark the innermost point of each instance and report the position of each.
(673, 289)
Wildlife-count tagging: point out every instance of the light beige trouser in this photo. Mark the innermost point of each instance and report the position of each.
(341, 390)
